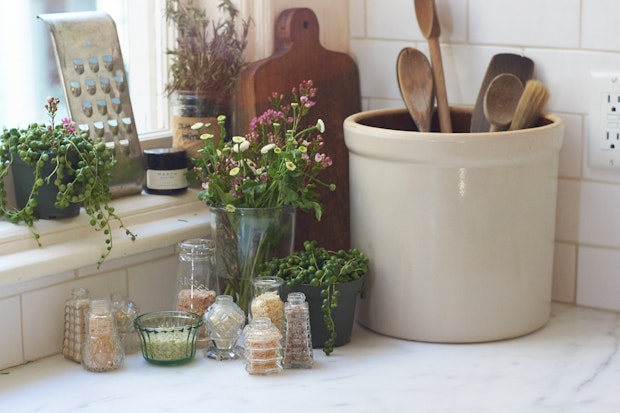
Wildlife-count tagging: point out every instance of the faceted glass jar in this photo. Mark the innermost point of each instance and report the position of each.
(75, 324)
(266, 301)
(223, 322)
(196, 284)
(297, 335)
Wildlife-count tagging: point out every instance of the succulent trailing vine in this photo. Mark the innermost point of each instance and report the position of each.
(319, 267)
(81, 173)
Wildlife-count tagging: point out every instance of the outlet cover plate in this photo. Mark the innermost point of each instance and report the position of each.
(604, 130)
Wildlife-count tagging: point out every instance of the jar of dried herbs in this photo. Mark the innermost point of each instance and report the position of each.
(262, 347)
(297, 336)
(102, 349)
(266, 301)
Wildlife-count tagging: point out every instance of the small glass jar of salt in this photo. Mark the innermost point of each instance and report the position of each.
(223, 322)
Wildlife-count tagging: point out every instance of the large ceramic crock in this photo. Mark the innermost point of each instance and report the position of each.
(459, 228)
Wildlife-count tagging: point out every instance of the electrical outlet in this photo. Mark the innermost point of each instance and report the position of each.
(604, 140)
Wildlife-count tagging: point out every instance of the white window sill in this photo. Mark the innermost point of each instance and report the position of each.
(70, 244)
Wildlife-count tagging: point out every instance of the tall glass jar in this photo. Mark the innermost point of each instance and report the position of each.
(189, 107)
(262, 347)
(297, 336)
(75, 323)
(197, 283)
(223, 323)
(266, 301)
(102, 349)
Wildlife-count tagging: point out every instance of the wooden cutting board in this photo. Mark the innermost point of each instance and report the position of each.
(298, 55)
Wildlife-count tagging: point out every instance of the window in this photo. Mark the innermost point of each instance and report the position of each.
(28, 72)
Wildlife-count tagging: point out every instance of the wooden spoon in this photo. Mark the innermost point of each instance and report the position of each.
(520, 66)
(415, 79)
(426, 13)
(501, 100)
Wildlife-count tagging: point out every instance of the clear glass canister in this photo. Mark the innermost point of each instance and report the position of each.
(266, 301)
(102, 349)
(75, 324)
(197, 283)
(297, 335)
(262, 347)
(223, 322)
(125, 312)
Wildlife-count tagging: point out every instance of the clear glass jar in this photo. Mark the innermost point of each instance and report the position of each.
(75, 323)
(102, 350)
(266, 301)
(197, 283)
(297, 335)
(125, 312)
(262, 347)
(223, 323)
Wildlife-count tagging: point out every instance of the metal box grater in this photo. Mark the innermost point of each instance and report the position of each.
(93, 74)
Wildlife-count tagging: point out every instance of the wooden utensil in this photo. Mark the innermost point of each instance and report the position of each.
(415, 79)
(501, 100)
(426, 13)
(531, 105)
(299, 55)
(520, 66)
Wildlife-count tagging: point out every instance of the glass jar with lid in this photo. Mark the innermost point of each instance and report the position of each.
(196, 283)
(223, 323)
(102, 349)
(262, 347)
(266, 301)
(297, 334)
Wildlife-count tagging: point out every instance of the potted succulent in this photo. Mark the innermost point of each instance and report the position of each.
(56, 169)
(205, 66)
(331, 281)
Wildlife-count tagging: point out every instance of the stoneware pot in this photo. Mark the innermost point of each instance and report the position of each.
(459, 228)
(23, 181)
(343, 315)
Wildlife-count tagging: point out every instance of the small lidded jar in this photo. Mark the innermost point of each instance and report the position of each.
(102, 349)
(223, 323)
(125, 312)
(166, 171)
(297, 335)
(197, 283)
(266, 301)
(262, 347)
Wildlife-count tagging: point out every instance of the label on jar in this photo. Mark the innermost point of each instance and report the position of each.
(168, 179)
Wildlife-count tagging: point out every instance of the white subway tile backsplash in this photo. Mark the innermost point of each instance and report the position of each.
(540, 23)
(11, 346)
(599, 220)
(43, 311)
(152, 284)
(598, 278)
(600, 28)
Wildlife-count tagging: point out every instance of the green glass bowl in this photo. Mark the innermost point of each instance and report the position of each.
(168, 338)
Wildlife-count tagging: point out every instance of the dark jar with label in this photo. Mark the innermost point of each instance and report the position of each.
(166, 171)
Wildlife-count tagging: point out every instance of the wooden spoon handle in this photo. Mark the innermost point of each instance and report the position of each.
(443, 109)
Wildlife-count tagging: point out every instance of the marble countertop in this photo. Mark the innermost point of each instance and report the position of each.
(570, 365)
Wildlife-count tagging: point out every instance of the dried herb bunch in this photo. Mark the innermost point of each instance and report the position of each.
(208, 57)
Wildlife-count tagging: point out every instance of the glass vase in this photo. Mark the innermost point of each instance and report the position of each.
(246, 238)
